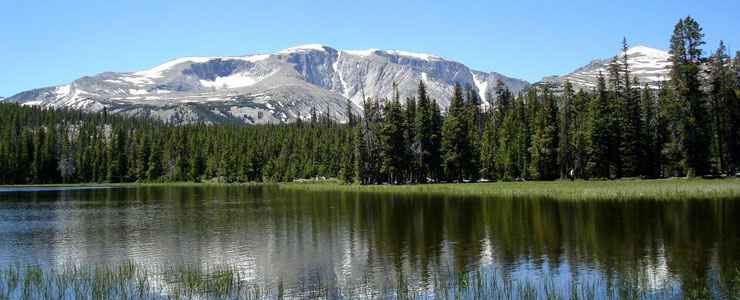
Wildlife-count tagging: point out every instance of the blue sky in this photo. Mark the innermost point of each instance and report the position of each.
(46, 43)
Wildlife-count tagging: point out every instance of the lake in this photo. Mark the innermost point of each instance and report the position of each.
(343, 244)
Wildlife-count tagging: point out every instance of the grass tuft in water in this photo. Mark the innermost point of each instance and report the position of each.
(132, 281)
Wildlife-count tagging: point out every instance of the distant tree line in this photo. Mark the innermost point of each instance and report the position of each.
(690, 126)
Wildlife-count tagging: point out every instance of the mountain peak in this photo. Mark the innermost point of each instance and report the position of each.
(422, 56)
(649, 65)
(646, 50)
(415, 55)
(306, 47)
(264, 88)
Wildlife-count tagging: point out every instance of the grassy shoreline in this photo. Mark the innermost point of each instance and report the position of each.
(657, 189)
(625, 189)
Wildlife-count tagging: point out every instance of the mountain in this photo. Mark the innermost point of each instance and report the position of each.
(264, 88)
(650, 65)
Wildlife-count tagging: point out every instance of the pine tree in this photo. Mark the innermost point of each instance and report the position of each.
(411, 162)
(393, 142)
(502, 130)
(723, 104)
(423, 132)
(544, 162)
(615, 113)
(154, 169)
(141, 157)
(565, 148)
(649, 135)
(360, 154)
(67, 165)
(195, 164)
(346, 172)
(582, 126)
(686, 59)
(600, 155)
(631, 148)
(522, 140)
(117, 154)
(435, 147)
(471, 161)
(487, 150)
(455, 137)
(732, 127)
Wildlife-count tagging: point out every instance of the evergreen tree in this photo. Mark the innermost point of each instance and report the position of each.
(631, 147)
(600, 154)
(196, 164)
(723, 104)
(582, 125)
(411, 164)
(360, 154)
(455, 137)
(487, 150)
(347, 170)
(154, 169)
(423, 134)
(649, 135)
(615, 113)
(544, 162)
(686, 59)
(471, 161)
(565, 148)
(393, 142)
(435, 147)
(503, 128)
(117, 154)
(67, 165)
(141, 160)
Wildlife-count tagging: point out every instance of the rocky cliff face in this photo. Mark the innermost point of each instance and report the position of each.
(266, 88)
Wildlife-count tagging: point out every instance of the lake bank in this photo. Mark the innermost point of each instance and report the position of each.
(649, 189)
(653, 189)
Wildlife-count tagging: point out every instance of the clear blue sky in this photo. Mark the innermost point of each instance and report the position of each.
(52, 42)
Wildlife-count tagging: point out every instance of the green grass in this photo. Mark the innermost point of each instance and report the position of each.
(625, 189)
(133, 281)
(658, 189)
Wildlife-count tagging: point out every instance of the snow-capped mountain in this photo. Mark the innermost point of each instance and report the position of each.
(651, 66)
(263, 88)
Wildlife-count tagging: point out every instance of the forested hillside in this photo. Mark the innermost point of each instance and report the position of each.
(622, 128)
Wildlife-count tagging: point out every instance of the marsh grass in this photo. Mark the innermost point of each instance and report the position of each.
(616, 190)
(132, 281)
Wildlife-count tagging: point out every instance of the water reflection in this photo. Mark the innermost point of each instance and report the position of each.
(347, 241)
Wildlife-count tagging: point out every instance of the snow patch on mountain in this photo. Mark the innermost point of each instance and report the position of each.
(137, 92)
(307, 47)
(482, 87)
(363, 53)
(422, 56)
(230, 82)
(158, 71)
(342, 82)
(401, 53)
(62, 91)
(651, 66)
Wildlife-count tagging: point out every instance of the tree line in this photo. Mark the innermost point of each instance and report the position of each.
(689, 126)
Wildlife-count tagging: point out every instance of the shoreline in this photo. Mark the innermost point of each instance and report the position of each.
(623, 189)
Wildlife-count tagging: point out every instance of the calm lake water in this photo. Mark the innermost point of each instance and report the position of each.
(304, 241)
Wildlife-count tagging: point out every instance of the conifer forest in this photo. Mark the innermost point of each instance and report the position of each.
(689, 126)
